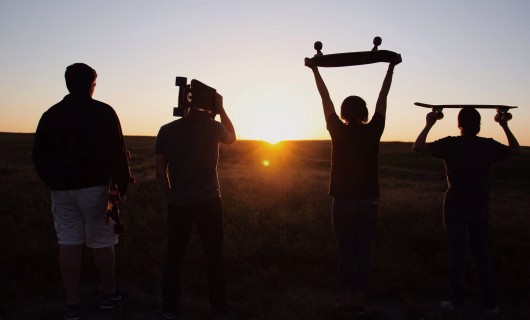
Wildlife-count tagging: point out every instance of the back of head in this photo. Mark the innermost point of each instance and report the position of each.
(79, 77)
(469, 121)
(354, 109)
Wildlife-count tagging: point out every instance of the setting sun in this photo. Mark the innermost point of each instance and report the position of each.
(275, 113)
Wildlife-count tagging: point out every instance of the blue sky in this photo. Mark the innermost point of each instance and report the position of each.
(454, 52)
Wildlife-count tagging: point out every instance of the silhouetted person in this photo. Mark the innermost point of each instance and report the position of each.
(78, 152)
(468, 159)
(354, 183)
(187, 152)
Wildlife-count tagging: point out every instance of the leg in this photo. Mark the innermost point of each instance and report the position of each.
(179, 225)
(365, 225)
(478, 232)
(209, 219)
(70, 267)
(69, 225)
(104, 259)
(99, 234)
(342, 220)
(456, 231)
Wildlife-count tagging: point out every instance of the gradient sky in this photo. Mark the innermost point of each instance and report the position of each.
(252, 52)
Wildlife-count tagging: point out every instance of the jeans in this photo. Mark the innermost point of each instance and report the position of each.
(458, 224)
(354, 224)
(208, 217)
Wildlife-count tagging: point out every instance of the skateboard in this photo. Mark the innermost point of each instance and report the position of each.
(196, 94)
(502, 111)
(354, 58)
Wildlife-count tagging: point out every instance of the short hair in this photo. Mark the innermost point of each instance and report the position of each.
(354, 108)
(79, 77)
(469, 121)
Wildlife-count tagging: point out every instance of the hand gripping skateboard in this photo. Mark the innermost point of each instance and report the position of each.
(354, 58)
(502, 111)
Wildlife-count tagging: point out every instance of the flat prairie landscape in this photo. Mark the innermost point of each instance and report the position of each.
(280, 251)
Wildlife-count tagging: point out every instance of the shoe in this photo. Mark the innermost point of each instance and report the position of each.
(448, 305)
(359, 311)
(170, 315)
(492, 312)
(224, 314)
(71, 312)
(110, 300)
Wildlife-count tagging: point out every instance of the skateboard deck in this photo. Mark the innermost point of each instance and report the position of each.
(353, 58)
(197, 95)
(502, 110)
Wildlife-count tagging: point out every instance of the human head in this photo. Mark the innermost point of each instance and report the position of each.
(80, 78)
(469, 121)
(353, 109)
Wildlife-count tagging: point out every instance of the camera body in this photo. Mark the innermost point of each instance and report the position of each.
(196, 95)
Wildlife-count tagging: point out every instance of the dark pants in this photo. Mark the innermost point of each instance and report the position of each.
(208, 217)
(354, 224)
(458, 224)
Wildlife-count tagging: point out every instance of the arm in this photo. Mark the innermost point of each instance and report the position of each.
(225, 120)
(161, 174)
(512, 141)
(420, 145)
(327, 104)
(380, 106)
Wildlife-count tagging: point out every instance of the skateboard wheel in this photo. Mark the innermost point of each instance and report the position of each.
(503, 117)
(439, 115)
(377, 41)
(318, 46)
(180, 81)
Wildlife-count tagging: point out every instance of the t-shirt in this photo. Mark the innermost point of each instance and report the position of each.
(468, 160)
(355, 157)
(191, 148)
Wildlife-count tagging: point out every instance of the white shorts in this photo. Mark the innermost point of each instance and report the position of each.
(80, 215)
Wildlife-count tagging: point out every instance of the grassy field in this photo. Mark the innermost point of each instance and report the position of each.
(280, 250)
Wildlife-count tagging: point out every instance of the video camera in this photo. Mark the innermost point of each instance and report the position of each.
(196, 95)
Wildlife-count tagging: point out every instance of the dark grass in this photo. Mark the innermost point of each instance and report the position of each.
(279, 245)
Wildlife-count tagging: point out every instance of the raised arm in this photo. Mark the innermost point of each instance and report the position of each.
(327, 104)
(512, 141)
(421, 145)
(225, 120)
(380, 106)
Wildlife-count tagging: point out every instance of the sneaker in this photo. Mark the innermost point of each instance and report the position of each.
(359, 311)
(448, 305)
(224, 314)
(492, 312)
(170, 315)
(71, 312)
(110, 300)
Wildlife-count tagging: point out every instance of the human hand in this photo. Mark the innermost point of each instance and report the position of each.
(397, 60)
(431, 118)
(310, 63)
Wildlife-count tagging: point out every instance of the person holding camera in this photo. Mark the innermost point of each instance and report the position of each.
(354, 184)
(186, 155)
(468, 159)
(79, 152)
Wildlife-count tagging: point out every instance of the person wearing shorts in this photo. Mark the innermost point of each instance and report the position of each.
(78, 153)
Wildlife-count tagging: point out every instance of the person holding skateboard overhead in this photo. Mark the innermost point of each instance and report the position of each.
(354, 183)
(468, 159)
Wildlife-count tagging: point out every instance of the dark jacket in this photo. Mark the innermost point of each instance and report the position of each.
(79, 144)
